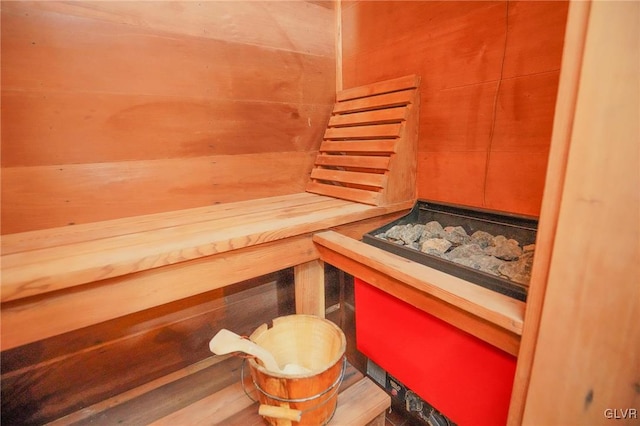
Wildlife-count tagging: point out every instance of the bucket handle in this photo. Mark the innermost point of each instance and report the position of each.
(284, 413)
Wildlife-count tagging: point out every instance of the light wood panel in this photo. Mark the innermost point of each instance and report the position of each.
(490, 316)
(96, 259)
(559, 151)
(183, 102)
(279, 24)
(51, 51)
(51, 196)
(211, 248)
(588, 343)
(377, 120)
(131, 293)
(50, 128)
(310, 286)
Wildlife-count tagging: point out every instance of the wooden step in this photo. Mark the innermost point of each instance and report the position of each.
(210, 393)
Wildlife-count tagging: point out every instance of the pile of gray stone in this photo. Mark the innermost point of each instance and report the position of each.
(495, 255)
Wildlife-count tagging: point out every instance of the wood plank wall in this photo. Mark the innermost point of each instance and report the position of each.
(115, 109)
(489, 81)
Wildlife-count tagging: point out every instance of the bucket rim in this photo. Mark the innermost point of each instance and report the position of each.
(265, 327)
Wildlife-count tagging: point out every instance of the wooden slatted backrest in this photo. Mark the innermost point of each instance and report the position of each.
(369, 150)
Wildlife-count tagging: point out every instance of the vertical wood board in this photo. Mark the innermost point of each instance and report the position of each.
(589, 338)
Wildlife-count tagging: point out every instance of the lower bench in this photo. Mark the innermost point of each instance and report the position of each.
(210, 392)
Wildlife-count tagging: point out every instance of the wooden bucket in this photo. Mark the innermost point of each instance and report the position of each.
(300, 399)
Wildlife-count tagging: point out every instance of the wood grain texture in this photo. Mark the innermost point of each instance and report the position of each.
(524, 115)
(353, 128)
(530, 50)
(217, 247)
(116, 297)
(456, 119)
(451, 176)
(40, 129)
(360, 401)
(588, 344)
(227, 230)
(78, 369)
(498, 322)
(493, 307)
(310, 285)
(107, 92)
(383, 40)
(577, 23)
(51, 196)
(229, 21)
(208, 399)
(473, 57)
(61, 236)
(515, 181)
(51, 51)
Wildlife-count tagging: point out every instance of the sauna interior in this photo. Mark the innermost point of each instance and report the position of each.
(157, 185)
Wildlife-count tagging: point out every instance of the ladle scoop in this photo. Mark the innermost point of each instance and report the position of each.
(225, 342)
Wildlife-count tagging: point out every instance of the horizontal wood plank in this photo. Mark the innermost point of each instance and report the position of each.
(52, 196)
(375, 102)
(380, 87)
(116, 297)
(369, 146)
(353, 194)
(367, 179)
(381, 116)
(364, 132)
(85, 262)
(357, 161)
(305, 22)
(360, 404)
(30, 273)
(57, 52)
(214, 409)
(50, 128)
(458, 317)
(493, 307)
(53, 237)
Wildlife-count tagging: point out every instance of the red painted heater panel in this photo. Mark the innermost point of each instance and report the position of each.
(463, 377)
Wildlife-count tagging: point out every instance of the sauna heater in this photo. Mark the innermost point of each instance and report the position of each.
(522, 229)
(442, 374)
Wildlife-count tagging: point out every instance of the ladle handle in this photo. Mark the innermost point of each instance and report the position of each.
(277, 412)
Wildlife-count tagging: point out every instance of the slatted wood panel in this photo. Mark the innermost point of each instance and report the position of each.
(368, 153)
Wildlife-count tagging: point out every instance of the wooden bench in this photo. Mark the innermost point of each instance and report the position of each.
(59, 280)
(211, 393)
(114, 268)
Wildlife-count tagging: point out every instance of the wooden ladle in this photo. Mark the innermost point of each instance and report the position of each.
(225, 342)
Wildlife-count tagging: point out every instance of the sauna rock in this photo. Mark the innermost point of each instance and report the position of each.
(492, 254)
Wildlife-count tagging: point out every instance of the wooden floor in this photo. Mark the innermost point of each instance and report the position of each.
(210, 392)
